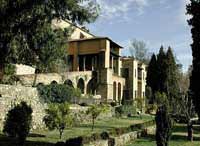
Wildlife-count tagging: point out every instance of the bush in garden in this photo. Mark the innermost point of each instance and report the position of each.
(58, 117)
(163, 121)
(104, 135)
(57, 93)
(127, 110)
(118, 111)
(95, 111)
(9, 76)
(18, 122)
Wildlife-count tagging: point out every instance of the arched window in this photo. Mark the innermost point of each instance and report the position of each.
(69, 83)
(81, 85)
(114, 91)
(119, 92)
(92, 86)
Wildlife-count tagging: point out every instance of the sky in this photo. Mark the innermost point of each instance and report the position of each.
(156, 22)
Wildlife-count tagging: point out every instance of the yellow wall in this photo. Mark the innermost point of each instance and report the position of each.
(75, 34)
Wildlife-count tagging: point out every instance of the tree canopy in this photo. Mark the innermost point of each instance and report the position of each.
(152, 75)
(26, 33)
(193, 9)
(138, 49)
(162, 74)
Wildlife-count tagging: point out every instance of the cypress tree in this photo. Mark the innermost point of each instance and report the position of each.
(172, 75)
(152, 75)
(162, 71)
(193, 9)
(163, 126)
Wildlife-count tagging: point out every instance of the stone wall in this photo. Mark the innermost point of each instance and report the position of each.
(123, 139)
(24, 69)
(11, 95)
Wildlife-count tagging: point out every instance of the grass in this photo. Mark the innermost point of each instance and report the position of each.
(48, 138)
(179, 138)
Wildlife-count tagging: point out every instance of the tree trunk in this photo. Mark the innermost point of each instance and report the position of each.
(61, 132)
(190, 131)
(92, 124)
(35, 77)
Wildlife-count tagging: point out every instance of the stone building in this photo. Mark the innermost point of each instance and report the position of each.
(96, 67)
(113, 77)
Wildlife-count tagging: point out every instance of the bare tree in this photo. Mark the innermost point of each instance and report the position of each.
(138, 50)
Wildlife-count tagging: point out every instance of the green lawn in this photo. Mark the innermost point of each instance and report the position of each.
(179, 138)
(42, 138)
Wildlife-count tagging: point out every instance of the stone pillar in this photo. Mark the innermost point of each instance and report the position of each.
(118, 66)
(112, 62)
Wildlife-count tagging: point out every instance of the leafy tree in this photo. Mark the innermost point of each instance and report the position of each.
(95, 111)
(58, 117)
(18, 122)
(58, 93)
(163, 120)
(139, 51)
(152, 76)
(193, 9)
(186, 113)
(26, 33)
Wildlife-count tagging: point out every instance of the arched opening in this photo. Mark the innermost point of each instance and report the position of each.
(54, 82)
(81, 85)
(92, 86)
(69, 83)
(114, 91)
(119, 92)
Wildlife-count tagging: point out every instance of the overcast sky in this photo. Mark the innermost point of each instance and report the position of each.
(157, 22)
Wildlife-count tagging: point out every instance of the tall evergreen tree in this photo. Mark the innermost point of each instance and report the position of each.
(172, 75)
(193, 9)
(162, 72)
(152, 76)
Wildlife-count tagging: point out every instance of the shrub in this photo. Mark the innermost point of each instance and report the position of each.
(163, 126)
(57, 93)
(118, 111)
(127, 110)
(9, 69)
(18, 122)
(95, 111)
(9, 76)
(104, 135)
(111, 142)
(60, 144)
(78, 141)
(57, 117)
